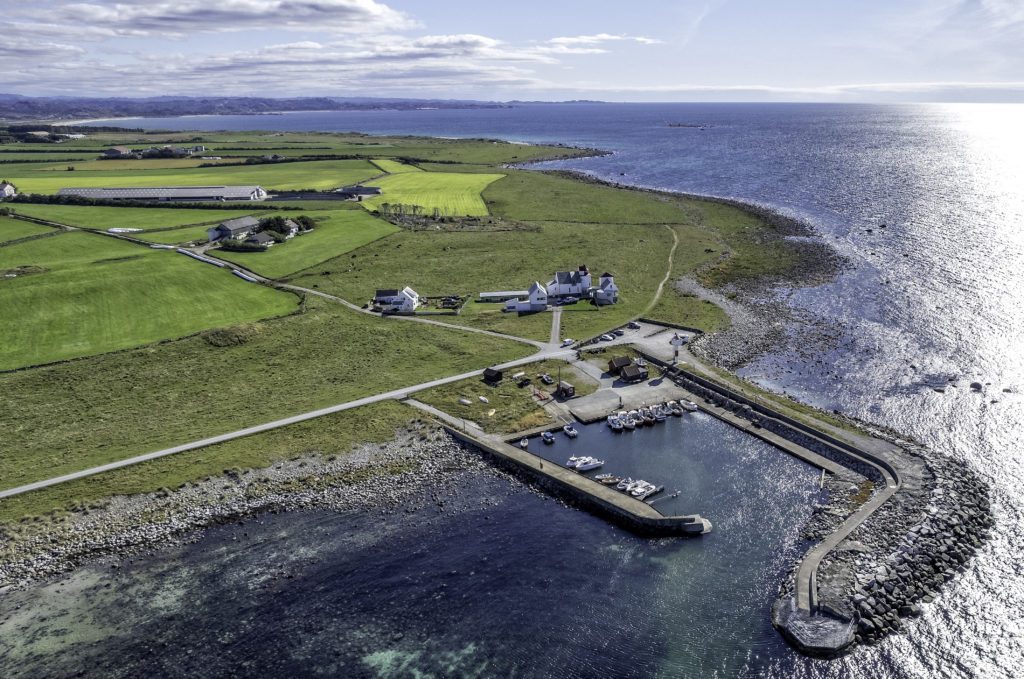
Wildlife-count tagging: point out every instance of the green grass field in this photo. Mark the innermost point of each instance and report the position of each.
(335, 234)
(394, 166)
(453, 193)
(185, 234)
(99, 294)
(12, 229)
(131, 217)
(70, 416)
(320, 174)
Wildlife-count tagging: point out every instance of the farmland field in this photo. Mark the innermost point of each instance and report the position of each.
(12, 229)
(317, 174)
(185, 234)
(336, 233)
(453, 193)
(132, 217)
(93, 294)
(394, 166)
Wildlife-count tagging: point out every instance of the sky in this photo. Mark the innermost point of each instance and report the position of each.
(643, 50)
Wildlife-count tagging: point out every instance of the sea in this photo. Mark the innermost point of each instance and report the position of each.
(926, 203)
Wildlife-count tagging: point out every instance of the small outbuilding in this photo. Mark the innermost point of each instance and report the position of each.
(565, 390)
(262, 239)
(616, 364)
(633, 373)
(492, 375)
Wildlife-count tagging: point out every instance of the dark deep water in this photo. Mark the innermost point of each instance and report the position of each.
(931, 299)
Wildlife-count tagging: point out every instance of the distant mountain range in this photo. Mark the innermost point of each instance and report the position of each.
(17, 107)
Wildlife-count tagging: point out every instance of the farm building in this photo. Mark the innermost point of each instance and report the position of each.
(606, 291)
(405, 300)
(293, 229)
(570, 283)
(264, 239)
(358, 192)
(171, 193)
(502, 295)
(616, 365)
(565, 390)
(536, 300)
(233, 229)
(7, 190)
(633, 373)
(119, 152)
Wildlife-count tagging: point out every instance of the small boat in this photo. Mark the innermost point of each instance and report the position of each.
(524, 443)
(547, 379)
(659, 413)
(629, 423)
(675, 408)
(647, 415)
(641, 488)
(649, 490)
(573, 461)
(547, 437)
(615, 423)
(608, 479)
(623, 484)
(588, 463)
(689, 406)
(570, 431)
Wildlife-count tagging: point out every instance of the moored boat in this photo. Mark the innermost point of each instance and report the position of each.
(524, 443)
(689, 406)
(588, 463)
(570, 431)
(547, 437)
(615, 423)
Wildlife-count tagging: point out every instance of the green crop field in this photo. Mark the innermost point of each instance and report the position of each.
(453, 193)
(94, 294)
(12, 229)
(336, 233)
(394, 166)
(319, 174)
(131, 217)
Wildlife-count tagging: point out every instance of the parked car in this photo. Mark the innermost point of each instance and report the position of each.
(607, 338)
(567, 342)
(634, 325)
(570, 300)
(547, 379)
(619, 332)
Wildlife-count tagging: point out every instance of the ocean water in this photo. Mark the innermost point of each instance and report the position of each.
(931, 300)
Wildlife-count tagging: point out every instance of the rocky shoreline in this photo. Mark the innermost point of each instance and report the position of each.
(421, 461)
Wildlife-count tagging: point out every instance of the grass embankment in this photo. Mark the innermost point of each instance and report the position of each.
(318, 174)
(72, 416)
(334, 434)
(394, 166)
(104, 217)
(13, 229)
(452, 193)
(336, 233)
(93, 294)
(511, 408)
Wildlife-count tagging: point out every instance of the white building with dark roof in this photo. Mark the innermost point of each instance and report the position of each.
(404, 301)
(606, 291)
(171, 193)
(570, 283)
(536, 300)
(233, 229)
(7, 190)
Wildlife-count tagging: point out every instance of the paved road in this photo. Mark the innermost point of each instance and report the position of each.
(556, 326)
(398, 394)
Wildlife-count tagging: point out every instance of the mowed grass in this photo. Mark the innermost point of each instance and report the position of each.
(91, 217)
(185, 234)
(318, 174)
(70, 416)
(394, 166)
(13, 229)
(335, 434)
(453, 193)
(100, 294)
(335, 234)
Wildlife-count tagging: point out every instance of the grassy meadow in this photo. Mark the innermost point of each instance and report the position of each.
(13, 229)
(336, 233)
(64, 417)
(91, 217)
(453, 193)
(394, 166)
(313, 174)
(95, 294)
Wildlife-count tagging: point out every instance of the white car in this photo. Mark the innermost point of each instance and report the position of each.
(607, 338)
(566, 342)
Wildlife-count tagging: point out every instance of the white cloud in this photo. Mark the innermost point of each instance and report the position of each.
(600, 38)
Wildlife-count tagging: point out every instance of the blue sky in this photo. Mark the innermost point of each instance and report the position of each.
(677, 50)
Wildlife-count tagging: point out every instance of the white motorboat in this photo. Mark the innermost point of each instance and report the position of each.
(573, 461)
(629, 423)
(659, 413)
(547, 437)
(615, 423)
(524, 443)
(624, 483)
(675, 408)
(589, 463)
(570, 431)
(689, 406)
(641, 488)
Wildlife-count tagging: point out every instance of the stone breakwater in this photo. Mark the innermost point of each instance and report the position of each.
(897, 559)
(419, 463)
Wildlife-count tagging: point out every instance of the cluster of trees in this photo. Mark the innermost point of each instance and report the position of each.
(403, 210)
(275, 227)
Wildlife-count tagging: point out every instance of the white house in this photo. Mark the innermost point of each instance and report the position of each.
(403, 301)
(7, 190)
(570, 283)
(606, 291)
(291, 229)
(536, 300)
